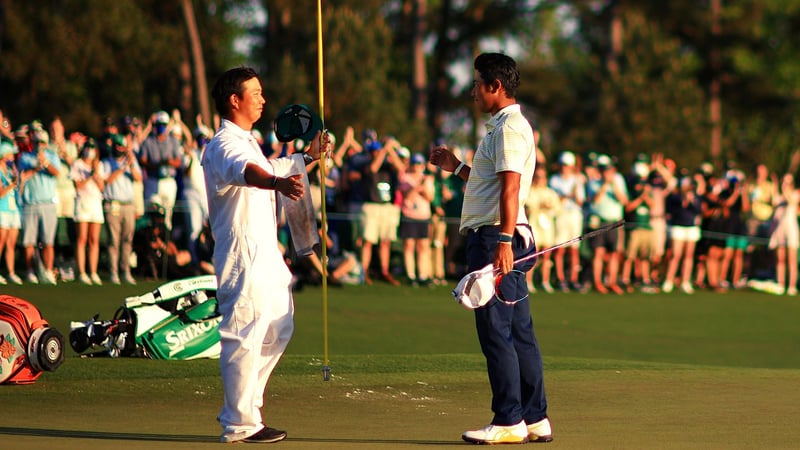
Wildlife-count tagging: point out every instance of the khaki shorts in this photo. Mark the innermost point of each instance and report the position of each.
(659, 227)
(66, 203)
(640, 244)
(39, 223)
(569, 225)
(544, 230)
(380, 221)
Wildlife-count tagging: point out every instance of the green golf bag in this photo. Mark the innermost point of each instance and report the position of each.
(177, 321)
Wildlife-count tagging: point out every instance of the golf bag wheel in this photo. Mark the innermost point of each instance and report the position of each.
(46, 349)
(79, 340)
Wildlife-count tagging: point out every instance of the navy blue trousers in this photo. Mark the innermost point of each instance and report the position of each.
(506, 335)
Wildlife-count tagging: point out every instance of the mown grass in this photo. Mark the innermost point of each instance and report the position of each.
(632, 372)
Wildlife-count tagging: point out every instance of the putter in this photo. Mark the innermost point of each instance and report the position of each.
(465, 296)
(591, 234)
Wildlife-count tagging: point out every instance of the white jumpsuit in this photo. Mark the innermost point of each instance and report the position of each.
(253, 292)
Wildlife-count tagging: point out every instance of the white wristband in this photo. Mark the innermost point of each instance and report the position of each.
(458, 169)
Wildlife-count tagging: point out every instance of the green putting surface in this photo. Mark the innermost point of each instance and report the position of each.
(637, 371)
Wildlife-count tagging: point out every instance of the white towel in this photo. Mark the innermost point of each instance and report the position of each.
(299, 213)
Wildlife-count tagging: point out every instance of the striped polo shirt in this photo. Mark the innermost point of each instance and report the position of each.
(507, 146)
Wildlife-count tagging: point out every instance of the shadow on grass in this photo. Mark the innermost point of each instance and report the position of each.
(373, 441)
(83, 434)
(105, 435)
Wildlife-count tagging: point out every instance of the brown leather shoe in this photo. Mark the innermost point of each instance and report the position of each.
(616, 289)
(387, 277)
(335, 282)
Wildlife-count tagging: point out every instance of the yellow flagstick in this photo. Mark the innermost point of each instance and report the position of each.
(326, 368)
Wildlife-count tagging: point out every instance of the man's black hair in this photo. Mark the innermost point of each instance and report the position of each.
(228, 84)
(497, 66)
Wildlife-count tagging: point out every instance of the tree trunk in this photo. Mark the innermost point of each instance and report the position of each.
(439, 71)
(185, 76)
(199, 65)
(715, 103)
(615, 38)
(420, 81)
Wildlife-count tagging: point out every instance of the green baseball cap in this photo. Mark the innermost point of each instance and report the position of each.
(118, 139)
(296, 122)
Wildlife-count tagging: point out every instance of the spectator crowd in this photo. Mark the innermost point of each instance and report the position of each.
(137, 192)
(63, 197)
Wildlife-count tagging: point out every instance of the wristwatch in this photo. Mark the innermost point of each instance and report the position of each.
(308, 158)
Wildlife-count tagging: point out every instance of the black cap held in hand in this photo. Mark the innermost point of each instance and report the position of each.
(296, 122)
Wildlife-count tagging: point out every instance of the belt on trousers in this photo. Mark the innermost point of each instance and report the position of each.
(117, 202)
(475, 230)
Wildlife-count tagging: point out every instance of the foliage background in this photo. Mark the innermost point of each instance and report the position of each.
(616, 76)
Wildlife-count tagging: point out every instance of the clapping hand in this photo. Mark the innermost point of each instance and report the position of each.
(442, 157)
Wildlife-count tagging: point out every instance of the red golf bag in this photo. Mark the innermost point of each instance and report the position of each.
(28, 346)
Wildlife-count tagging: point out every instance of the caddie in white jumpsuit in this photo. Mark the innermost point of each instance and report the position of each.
(254, 293)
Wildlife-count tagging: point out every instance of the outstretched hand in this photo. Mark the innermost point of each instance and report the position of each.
(291, 186)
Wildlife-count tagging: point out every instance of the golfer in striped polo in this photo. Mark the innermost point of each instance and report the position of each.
(497, 231)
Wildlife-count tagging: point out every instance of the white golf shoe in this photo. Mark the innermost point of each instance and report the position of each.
(498, 434)
(540, 431)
